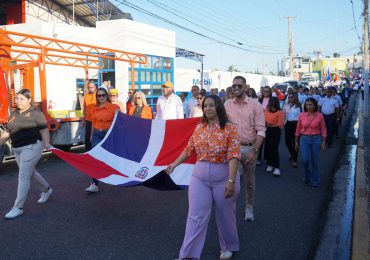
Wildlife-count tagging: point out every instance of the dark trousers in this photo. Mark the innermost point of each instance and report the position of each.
(97, 137)
(272, 146)
(330, 123)
(88, 126)
(290, 128)
(259, 158)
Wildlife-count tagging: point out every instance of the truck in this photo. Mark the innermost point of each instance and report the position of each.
(24, 62)
(312, 79)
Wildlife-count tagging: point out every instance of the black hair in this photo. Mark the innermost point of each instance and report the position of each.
(241, 78)
(254, 94)
(273, 104)
(316, 106)
(25, 92)
(220, 110)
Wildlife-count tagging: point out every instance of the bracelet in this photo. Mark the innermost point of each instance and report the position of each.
(230, 180)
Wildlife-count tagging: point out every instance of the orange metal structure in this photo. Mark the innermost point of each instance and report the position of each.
(25, 52)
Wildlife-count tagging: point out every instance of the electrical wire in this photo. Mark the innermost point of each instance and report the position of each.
(354, 20)
(142, 10)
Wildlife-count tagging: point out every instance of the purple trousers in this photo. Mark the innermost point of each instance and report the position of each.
(206, 188)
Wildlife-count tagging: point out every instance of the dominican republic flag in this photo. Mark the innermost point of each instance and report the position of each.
(328, 76)
(135, 151)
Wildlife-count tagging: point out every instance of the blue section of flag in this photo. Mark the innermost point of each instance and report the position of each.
(328, 77)
(134, 147)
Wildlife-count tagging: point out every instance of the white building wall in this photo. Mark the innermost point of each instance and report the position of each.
(185, 78)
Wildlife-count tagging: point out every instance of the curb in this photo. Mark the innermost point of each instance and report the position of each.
(360, 227)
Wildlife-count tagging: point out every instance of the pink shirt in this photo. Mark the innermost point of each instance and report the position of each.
(314, 125)
(265, 102)
(248, 118)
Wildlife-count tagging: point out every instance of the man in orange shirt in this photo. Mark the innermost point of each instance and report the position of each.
(247, 115)
(88, 106)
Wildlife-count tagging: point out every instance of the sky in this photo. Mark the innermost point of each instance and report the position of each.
(252, 35)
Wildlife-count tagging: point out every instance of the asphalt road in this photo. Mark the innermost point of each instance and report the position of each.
(142, 223)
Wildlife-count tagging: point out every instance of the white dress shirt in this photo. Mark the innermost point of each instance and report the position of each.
(328, 105)
(291, 112)
(192, 102)
(169, 108)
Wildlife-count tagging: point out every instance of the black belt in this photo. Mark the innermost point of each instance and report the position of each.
(246, 144)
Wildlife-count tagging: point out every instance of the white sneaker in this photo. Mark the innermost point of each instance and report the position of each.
(269, 168)
(14, 212)
(226, 255)
(249, 216)
(276, 172)
(92, 188)
(45, 196)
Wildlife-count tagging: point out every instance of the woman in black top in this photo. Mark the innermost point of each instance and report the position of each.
(29, 134)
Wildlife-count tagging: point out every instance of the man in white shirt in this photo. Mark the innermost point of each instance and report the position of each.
(169, 105)
(329, 107)
(193, 100)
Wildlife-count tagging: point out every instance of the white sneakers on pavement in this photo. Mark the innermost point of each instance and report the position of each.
(226, 255)
(92, 188)
(276, 172)
(269, 168)
(249, 216)
(45, 196)
(14, 212)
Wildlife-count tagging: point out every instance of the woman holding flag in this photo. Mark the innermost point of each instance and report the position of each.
(214, 181)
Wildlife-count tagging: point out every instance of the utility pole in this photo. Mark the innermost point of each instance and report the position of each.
(366, 57)
(290, 45)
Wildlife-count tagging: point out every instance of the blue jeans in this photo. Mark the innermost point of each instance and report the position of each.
(97, 137)
(310, 146)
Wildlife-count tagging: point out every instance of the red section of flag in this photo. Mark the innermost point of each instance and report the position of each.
(87, 164)
(176, 138)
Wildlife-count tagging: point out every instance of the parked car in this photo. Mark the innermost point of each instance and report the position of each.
(292, 83)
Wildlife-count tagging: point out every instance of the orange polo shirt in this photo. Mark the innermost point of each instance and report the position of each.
(89, 104)
(102, 117)
(274, 119)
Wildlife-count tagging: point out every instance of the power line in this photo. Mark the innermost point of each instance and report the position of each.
(138, 8)
(354, 20)
(176, 12)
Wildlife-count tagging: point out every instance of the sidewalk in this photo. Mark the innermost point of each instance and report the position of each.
(360, 241)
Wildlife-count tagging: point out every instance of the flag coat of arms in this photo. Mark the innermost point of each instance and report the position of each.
(135, 151)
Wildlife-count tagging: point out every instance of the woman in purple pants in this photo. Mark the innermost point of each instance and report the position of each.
(214, 181)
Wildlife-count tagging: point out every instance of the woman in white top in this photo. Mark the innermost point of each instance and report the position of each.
(197, 110)
(291, 110)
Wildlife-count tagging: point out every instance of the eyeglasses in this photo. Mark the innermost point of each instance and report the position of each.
(137, 97)
(101, 95)
(240, 86)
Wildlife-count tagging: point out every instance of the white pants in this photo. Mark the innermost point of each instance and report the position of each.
(27, 158)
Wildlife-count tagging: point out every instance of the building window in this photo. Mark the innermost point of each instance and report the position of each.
(149, 77)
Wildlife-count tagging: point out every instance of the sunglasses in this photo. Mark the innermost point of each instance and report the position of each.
(240, 86)
(101, 95)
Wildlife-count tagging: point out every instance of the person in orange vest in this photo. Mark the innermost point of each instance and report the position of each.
(88, 106)
(113, 95)
(141, 108)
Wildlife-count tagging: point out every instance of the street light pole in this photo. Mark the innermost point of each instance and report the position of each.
(366, 58)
